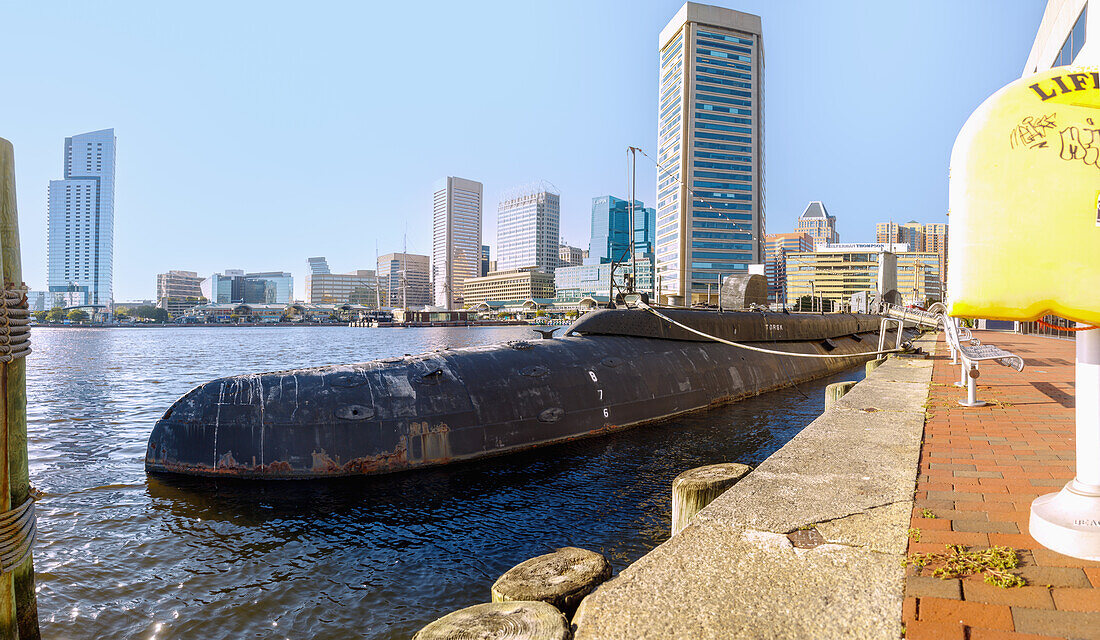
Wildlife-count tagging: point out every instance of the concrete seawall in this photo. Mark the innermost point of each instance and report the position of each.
(841, 490)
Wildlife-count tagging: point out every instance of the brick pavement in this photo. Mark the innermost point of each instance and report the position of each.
(980, 468)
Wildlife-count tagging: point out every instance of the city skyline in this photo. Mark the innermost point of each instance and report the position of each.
(241, 168)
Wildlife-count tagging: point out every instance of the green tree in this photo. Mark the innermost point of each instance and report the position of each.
(78, 315)
(541, 313)
(41, 315)
(57, 314)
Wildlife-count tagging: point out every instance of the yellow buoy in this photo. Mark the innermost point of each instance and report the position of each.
(1025, 201)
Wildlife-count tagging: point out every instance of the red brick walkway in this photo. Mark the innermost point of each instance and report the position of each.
(980, 468)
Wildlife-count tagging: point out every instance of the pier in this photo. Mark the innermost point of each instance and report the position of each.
(980, 470)
(812, 543)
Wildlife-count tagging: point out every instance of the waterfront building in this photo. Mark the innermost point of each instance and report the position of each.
(836, 273)
(593, 280)
(456, 238)
(236, 286)
(611, 229)
(528, 219)
(283, 281)
(776, 248)
(354, 287)
(710, 144)
(178, 291)
(81, 220)
(1067, 34)
(509, 284)
(39, 301)
(818, 223)
(318, 265)
(569, 256)
(404, 279)
(484, 260)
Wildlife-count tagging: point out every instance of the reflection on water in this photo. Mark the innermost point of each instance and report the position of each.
(126, 555)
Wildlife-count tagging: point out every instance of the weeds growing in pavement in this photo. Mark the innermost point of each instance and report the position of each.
(927, 513)
(995, 563)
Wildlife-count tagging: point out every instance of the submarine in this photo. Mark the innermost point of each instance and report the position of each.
(611, 370)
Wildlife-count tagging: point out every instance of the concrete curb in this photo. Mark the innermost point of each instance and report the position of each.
(844, 486)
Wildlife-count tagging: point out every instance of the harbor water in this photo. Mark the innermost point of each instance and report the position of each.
(124, 555)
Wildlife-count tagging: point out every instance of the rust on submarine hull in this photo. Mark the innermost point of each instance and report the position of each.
(613, 370)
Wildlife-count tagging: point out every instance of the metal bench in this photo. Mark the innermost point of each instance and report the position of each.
(971, 352)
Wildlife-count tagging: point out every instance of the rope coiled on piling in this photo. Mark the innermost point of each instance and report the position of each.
(18, 530)
(15, 330)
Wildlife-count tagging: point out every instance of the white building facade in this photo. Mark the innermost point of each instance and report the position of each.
(528, 229)
(1066, 35)
(456, 238)
(710, 141)
(81, 222)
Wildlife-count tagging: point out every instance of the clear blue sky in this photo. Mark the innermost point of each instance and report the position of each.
(254, 135)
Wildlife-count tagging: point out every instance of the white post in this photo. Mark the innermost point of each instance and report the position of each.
(962, 373)
(971, 387)
(1069, 521)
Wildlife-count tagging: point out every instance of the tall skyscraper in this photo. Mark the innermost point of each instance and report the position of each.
(818, 224)
(611, 229)
(456, 238)
(528, 220)
(81, 224)
(318, 266)
(484, 260)
(710, 141)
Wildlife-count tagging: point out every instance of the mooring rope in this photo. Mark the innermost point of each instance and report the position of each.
(18, 530)
(761, 350)
(15, 334)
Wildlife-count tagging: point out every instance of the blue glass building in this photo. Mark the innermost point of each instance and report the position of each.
(611, 229)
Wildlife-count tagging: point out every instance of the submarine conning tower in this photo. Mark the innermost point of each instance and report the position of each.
(613, 369)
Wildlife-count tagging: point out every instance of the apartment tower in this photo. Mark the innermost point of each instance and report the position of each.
(710, 145)
(456, 238)
(81, 222)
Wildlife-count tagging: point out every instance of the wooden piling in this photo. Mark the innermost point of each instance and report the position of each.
(696, 488)
(562, 579)
(500, 621)
(14, 376)
(836, 391)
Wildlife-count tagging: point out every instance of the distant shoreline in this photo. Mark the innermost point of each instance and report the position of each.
(266, 325)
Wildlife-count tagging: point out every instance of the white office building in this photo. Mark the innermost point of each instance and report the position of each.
(456, 238)
(81, 223)
(1065, 36)
(710, 141)
(528, 223)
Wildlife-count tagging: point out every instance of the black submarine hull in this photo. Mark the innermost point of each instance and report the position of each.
(614, 369)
